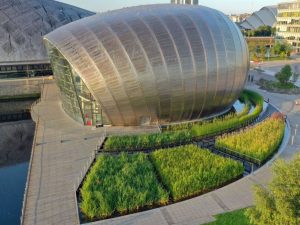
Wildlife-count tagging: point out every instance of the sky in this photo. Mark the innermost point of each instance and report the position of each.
(226, 6)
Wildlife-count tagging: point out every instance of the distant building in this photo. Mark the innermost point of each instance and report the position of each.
(22, 27)
(238, 18)
(266, 16)
(288, 23)
(189, 2)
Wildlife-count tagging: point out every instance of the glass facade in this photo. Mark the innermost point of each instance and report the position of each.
(288, 23)
(77, 100)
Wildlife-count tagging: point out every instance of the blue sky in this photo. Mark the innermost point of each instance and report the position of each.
(226, 6)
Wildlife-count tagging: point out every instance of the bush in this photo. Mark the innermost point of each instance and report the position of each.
(284, 75)
(147, 141)
(252, 142)
(189, 170)
(279, 203)
(121, 184)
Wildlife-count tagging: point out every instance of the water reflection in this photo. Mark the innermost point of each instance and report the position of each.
(12, 185)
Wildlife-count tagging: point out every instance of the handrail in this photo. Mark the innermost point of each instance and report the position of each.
(29, 172)
(240, 155)
(31, 157)
(83, 174)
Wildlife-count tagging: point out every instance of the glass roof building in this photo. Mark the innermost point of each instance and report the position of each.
(149, 64)
(266, 16)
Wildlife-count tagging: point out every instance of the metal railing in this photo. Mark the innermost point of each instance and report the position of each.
(83, 173)
(29, 172)
(32, 153)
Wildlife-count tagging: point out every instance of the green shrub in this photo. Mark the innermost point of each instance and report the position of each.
(121, 184)
(189, 170)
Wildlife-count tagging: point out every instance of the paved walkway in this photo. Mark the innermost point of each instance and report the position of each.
(56, 166)
(237, 195)
(63, 147)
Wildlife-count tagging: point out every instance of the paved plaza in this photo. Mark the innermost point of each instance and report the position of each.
(63, 148)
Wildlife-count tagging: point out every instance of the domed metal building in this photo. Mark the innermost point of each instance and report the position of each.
(149, 64)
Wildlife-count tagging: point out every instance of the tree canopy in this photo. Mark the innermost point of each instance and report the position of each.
(285, 74)
(262, 31)
(280, 202)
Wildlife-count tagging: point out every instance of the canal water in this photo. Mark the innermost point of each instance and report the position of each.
(15, 149)
(12, 185)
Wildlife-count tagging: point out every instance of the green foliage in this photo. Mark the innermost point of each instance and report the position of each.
(280, 202)
(187, 126)
(237, 217)
(123, 183)
(262, 31)
(190, 130)
(259, 49)
(251, 142)
(221, 125)
(189, 170)
(285, 74)
(282, 48)
(146, 141)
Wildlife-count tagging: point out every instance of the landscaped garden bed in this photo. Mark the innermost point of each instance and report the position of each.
(147, 141)
(126, 183)
(230, 123)
(188, 171)
(118, 185)
(244, 98)
(255, 144)
(186, 133)
(276, 87)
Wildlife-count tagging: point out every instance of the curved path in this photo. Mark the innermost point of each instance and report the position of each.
(56, 165)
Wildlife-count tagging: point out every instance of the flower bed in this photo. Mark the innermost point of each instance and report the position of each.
(188, 170)
(119, 185)
(258, 142)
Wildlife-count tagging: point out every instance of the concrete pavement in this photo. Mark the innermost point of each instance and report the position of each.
(63, 147)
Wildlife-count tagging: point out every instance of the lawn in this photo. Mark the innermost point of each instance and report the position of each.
(231, 218)
(188, 170)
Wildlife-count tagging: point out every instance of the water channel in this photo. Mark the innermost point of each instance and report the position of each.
(15, 148)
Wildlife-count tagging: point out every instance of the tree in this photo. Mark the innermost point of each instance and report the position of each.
(284, 75)
(280, 202)
(283, 49)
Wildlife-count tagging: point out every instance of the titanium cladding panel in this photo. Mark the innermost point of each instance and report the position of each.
(157, 63)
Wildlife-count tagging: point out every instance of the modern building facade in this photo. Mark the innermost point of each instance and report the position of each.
(266, 16)
(288, 23)
(238, 18)
(23, 23)
(148, 65)
(189, 2)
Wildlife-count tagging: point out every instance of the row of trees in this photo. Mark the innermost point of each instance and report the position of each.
(262, 49)
(262, 31)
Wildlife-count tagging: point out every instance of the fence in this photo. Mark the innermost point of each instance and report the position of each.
(83, 173)
(37, 120)
(29, 172)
